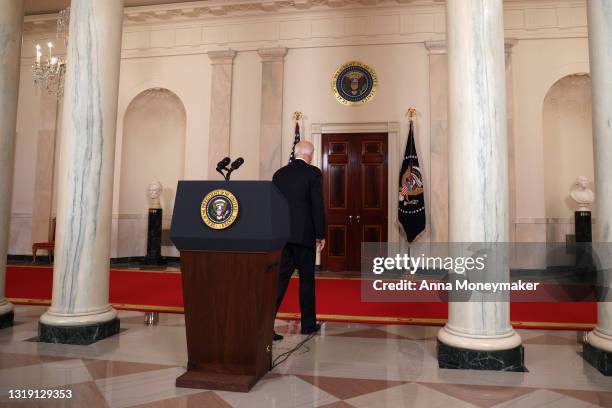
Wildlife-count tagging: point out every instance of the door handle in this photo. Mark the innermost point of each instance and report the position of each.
(358, 218)
(350, 219)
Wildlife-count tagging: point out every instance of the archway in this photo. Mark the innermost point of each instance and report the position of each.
(153, 149)
(568, 148)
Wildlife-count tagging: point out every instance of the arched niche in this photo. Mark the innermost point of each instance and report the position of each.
(153, 149)
(568, 147)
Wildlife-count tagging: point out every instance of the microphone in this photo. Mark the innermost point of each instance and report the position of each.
(237, 163)
(222, 165)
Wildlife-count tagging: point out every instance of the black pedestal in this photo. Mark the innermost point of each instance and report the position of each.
(82, 335)
(6, 320)
(154, 236)
(582, 220)
(601, 360)
(499, 360)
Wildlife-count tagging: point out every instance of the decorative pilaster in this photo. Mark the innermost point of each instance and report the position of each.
(80, 312)
(270, 136)
(45, 163)
(220, 107)
(11, 20)
(598, 348)
(438, 92)
(478, 334)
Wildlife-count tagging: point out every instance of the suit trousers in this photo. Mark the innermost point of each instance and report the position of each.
(303, 259)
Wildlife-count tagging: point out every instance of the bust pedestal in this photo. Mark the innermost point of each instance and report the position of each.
(582, 221)
(154, 256)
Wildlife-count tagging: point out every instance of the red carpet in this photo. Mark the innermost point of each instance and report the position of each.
(338, 299)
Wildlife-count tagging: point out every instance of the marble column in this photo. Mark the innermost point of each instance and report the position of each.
(11, 22)
(478, 334)
(80, 312)
(270, 136)
(220, 108)
(598, 348)
(45, 164)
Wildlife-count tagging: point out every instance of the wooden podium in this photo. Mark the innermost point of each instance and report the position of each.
(230, 278)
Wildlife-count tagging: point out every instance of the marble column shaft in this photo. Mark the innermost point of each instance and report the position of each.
(86, 164)
(270, 139)
(478, 161)
(220, 108)
(600, 50)
(11, 27)
(45, 163)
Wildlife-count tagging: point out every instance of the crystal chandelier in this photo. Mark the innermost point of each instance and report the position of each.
(49, 73)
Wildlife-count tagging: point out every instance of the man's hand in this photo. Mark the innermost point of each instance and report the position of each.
(320, 244)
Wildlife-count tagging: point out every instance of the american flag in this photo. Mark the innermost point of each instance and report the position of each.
(296, 140)
(404, 190)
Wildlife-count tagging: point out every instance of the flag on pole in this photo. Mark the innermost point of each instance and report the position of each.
(296, 140)
(411, 207)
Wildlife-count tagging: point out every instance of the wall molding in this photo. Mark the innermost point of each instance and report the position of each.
(184, 28)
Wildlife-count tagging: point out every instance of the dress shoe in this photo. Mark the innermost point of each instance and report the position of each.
(276, 337)
(312, 330)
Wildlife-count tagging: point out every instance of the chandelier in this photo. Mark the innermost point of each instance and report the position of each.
(49, 70)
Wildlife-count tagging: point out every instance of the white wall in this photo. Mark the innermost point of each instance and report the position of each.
(161, 52)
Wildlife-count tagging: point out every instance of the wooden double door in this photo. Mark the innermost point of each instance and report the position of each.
(355, 193)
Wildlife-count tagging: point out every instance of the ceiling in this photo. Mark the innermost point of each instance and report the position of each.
(53, 6)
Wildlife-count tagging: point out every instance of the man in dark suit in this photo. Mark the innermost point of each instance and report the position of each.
(300, 183)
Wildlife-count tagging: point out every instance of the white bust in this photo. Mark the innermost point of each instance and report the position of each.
(582, 194)
(155, 190)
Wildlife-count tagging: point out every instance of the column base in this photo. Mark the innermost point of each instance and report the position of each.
(82, 335)
(598, 358)
(497, 360)
(7, 319)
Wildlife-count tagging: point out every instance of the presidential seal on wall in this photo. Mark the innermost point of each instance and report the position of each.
(219, 209)
(354, 83)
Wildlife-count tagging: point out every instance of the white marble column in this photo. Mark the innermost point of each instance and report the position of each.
(45, 164)
(270, 139)
(220, 108)
(478, 173)
(85, 189)
(600, 50)
(11, 22)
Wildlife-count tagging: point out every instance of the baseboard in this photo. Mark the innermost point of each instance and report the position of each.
(44, 259)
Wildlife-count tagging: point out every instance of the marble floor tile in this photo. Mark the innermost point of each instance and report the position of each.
(141, 388)
(408, 395)
(345, 388)
(279, 392)
(46, 375)
(84, 395)
(203, 400)
(545, 398)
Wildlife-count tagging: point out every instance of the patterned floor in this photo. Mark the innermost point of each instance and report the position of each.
(347, 365)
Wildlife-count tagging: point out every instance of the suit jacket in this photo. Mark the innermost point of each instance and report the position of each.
(300, 183)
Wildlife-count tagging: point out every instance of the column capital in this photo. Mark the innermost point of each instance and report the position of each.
(222, 56)
(509, 44)
(436, 47)
(272, 54)
(439, 46)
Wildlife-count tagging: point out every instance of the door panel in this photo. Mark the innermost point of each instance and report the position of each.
(355, 189)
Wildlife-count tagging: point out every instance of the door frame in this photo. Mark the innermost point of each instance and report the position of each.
(392, 130)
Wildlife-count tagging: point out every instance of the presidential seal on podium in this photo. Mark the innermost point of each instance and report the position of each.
(219, 209)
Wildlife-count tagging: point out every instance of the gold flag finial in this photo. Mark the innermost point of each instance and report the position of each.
(297, 116)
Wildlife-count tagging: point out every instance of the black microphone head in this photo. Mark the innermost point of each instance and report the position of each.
(223, 163)
(237, 163)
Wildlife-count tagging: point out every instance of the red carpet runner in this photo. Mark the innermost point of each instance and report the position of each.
(338, 299)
